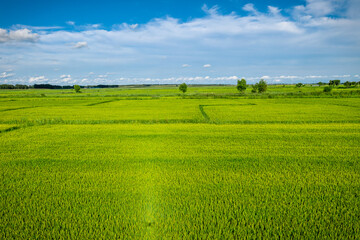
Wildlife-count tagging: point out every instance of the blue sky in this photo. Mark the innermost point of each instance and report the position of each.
(125, 42)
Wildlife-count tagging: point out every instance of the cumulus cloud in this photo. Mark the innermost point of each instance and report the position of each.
(65, 78)
(186, 65)
(39, 79)
(207, 65)
(21, 35)
(71, 23)
(80, 45)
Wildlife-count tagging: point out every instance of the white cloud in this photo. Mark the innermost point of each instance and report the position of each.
(89, 27)
(71, 23)
(133, 26)
(207, 65)
(250, 8)
(315, 76)
(4, 36)
(186, 65)
(6, 75)
(39, 79)
(211, 11)
(270, 43)
(288, 77)
(274, 10)
(80, 45)
(39, 28)
(21, 35)
(319, 7)
(66, 78)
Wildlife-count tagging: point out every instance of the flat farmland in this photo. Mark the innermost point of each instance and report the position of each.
(94, 166)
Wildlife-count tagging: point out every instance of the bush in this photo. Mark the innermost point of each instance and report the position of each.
(328, 89)
(241, 85)
(183, 87)
(299, 85)
(254, 88)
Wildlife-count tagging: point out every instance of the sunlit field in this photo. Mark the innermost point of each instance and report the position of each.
(151, 163)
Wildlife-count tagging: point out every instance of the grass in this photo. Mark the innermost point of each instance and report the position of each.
(107, 167)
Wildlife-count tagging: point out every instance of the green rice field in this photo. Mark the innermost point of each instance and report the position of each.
(150, 163)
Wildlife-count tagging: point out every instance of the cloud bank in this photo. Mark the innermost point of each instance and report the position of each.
(319, 38)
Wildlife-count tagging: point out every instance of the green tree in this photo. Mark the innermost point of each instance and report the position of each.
(261, 86)
(183, 87)
(334, 82)
(347, 84)
(241, 85)
(77, 88)
(299, 85)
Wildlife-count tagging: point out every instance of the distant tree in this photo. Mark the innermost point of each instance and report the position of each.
(7, 86)
(328, 88)
(353, 83)
(347, 84)
(77, 88)
(241, 85)
(299, 85)
(261, 86)
(20, 86)
(334, 82)
(183, 87)
(320, 83)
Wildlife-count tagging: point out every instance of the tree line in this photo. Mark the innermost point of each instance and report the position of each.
(50, 86)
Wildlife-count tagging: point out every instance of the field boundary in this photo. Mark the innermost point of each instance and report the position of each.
(207, 118)
(98, 103)
(162, 121)
(13, 109)
(10, 129)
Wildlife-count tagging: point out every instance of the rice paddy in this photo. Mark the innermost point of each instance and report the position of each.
(100, 165)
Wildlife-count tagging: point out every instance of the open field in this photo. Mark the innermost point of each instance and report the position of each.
(151, 164)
